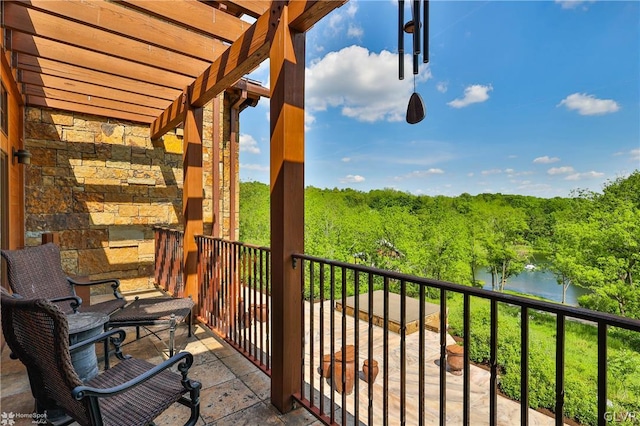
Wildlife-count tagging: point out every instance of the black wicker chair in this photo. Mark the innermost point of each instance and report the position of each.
(36, 273)
(133, 392)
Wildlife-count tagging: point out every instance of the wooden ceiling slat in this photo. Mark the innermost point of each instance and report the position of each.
(50, 81)
(41, 47)
(127, 22)
(34, 22)
(87, 109)
(72, 72)
(51, 93)
(195, 15)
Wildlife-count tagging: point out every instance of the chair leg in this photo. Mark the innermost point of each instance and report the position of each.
(194, 394)
(106, 348)
(172, 331)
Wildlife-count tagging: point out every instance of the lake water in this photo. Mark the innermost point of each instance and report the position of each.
(537, 282)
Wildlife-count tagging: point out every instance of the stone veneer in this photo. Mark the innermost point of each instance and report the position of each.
(102, 185)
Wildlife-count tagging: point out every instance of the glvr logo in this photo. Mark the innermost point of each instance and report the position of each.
(622, 416)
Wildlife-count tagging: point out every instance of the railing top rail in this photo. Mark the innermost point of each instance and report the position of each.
(237, 243)
(570, 311)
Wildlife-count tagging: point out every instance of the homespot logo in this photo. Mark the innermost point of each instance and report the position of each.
(9, 419)
(632, 417)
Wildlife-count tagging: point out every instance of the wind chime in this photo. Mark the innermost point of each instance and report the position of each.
(415, 110)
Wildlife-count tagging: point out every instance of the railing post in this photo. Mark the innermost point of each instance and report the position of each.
(287, 56)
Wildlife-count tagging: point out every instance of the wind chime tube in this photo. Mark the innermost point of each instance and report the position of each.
(416, 35)
(425, 57)
(401, 39)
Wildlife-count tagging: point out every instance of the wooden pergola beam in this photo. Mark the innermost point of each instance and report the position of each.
(116, 18)
(246, 53)
(48, 67)
(196, 16)
(35, 22)
(49, 49)
(86, 109)
(89, 90)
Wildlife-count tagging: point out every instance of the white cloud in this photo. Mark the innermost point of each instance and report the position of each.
(470, 174)
(309, 119)
(490, 172)
(355, 31)
(635, 154)
(473, 94)
(352, 179)
(546, 160)
(249, 144)
(420, 174)
(572, 4)
(589, 105)
(442, 86)
(587, 175)
(256, 167)
(560, 170)
(363, 84)
(338, 18)
(513, 173)
(345, 159)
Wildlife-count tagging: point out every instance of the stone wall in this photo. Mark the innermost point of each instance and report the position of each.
(103, 185)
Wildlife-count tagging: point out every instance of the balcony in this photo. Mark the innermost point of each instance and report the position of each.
(415, 384)
(232, 345)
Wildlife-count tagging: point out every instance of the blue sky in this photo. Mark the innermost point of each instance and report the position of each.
(535, 98)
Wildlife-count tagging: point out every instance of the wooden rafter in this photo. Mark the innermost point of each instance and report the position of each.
(248, 51)
(35, 22)
(116, 55)
(115, 18)
(195, 15)
(48, 67)
(49, 49)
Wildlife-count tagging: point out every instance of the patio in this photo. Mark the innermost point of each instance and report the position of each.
(234, 391)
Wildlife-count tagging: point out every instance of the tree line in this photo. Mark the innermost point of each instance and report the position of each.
(590, 239)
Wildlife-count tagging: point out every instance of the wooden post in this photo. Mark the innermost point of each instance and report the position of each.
(287, 56)
(192, 198)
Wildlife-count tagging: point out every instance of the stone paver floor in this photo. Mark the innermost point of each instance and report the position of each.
(234, 391)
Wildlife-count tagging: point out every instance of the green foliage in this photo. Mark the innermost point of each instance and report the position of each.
(591, 240)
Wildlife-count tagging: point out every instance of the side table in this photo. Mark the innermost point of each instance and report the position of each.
(82, 326)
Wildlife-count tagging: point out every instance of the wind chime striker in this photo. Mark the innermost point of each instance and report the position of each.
(415, 110)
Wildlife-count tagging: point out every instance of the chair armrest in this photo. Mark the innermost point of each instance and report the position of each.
(117, 342)
(115, 283)
(75, 301)
(83, 391)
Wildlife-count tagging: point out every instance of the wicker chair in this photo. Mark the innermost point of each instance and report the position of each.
(133, 392)
(36, 273)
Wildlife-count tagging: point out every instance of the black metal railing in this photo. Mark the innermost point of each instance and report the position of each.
(168, 260)
(341, 313)
(234, 295)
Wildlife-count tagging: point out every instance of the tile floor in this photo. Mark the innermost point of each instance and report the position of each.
(234, 391)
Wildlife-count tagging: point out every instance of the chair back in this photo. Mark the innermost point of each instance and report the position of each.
(37, 333)
(36, 273)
